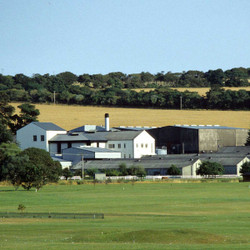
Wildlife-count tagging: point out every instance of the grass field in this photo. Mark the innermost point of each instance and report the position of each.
(140, 216)
(69, 117)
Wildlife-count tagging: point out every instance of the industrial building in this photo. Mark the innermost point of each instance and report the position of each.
(181, 139)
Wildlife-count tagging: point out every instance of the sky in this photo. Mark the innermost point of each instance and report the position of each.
(129, 36)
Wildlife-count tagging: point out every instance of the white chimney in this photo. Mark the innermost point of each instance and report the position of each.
(107, 122)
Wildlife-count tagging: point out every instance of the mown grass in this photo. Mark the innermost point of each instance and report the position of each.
(140, 216)
(69, 117)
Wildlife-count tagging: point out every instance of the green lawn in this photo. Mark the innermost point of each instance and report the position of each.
(140, 216)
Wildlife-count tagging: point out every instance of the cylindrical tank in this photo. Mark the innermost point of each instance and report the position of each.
(161, 151)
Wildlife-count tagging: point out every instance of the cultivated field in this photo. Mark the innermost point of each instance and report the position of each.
(69, 117)
(139, 216)
(201, 91)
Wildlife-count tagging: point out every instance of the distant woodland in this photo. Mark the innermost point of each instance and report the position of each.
(117, 89)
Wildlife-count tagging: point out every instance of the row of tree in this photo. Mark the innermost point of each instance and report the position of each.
(234, 77)
(215, 98)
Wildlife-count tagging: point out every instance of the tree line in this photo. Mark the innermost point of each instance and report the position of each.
(116, 89)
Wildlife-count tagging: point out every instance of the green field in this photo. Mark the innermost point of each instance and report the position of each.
(139, 216)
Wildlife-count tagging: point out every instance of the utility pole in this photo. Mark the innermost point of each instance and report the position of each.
(54, 97)
(180, 102)
(82, 165)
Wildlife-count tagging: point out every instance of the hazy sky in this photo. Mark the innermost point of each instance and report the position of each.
(131, 36)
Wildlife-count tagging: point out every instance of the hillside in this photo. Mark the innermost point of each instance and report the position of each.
(69, 117)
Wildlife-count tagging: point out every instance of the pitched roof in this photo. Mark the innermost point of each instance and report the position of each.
(88, 128)
(121, 135)
(48, 126)
(204, 127)
(97, 136)
(225, 160)
(146, 163)
(240, 150)
(90, 149)
(79, 137)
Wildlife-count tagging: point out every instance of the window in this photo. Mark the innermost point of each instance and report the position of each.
(142, 145)
(124, 155)
(34, 137)
(124, 145)
(111, 145)
(146, 145)
(42, 137)
(119, 146)
(137, 145)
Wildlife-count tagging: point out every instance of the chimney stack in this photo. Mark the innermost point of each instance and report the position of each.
(107, 122)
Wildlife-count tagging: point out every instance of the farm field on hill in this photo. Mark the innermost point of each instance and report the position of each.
(140, 216)
(69, 117)
(201, 91)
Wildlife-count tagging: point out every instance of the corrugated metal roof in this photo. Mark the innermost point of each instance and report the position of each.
(97, 136)
(240, 150)
(205, 127)
(224, 160)
(149, 164)
(87, 128)
(90, 149)
(48, 126)
(79, 137)
(121, 135)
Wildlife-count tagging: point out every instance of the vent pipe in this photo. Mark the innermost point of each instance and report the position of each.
(107, 122)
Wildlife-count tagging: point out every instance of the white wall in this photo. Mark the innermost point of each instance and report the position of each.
(144, 144)
(239, 165)
(51, 134)
(25, 137)
(109, 155)
(125, 147)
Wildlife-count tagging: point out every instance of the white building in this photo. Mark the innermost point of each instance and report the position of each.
(132, 144)
(37, 134)
(48, 136)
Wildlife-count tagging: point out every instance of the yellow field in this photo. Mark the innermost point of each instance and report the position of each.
(69, 117)
(201, 91)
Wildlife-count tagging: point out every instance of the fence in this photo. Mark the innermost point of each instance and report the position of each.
(160, 177)
(52, 215)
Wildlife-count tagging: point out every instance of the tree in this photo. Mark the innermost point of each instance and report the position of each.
(173, 170)
(248, 139)
(28, 114)
(140, 172)
(208, 169)
(41, 167)
(123, 169)
(6, 110)
(91, 172)
(15, 169)
(67, 173)
(5, 133)
(245, 168)
(7, 150)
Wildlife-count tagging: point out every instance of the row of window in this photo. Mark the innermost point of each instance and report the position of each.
(35, 137)
(118, 145)
(142, 145)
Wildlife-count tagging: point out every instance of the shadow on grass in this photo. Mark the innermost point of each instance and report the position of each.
(13, 190)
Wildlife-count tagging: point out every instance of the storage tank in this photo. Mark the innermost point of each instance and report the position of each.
(161, 151)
